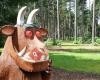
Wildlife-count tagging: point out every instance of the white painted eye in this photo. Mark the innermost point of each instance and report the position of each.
(34, 54)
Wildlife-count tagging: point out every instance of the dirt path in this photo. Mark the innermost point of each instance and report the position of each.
(60, 74)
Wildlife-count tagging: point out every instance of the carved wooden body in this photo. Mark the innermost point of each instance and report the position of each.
(13, 66)
(10, 71)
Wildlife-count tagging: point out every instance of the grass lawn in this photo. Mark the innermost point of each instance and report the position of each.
(82, 58)
(76, 61)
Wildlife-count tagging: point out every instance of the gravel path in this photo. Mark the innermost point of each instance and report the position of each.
(60, 74)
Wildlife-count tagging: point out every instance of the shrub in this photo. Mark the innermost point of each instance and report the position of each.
(98, 40)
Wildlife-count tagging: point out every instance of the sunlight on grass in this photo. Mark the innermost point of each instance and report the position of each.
(88, 46)
(93, 56)
(83, 62)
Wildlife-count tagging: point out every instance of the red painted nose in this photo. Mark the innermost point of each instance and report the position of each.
(36, 54)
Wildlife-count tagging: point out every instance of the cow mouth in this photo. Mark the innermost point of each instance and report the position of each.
(36, 55)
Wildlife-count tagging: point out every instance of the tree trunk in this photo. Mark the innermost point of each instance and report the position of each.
(75, 25)
(93, 25)
(69, 20)
(58, 20)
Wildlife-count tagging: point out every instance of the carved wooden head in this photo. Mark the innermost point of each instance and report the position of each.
(25, 41)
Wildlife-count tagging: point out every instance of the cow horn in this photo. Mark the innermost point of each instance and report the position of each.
(20, 17)
(31, 16)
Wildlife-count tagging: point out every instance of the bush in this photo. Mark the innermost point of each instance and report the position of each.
(97, 40)
(56, 42)
(2, 41)
(51, 42)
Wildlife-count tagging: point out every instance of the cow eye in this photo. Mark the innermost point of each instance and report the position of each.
(29, 33)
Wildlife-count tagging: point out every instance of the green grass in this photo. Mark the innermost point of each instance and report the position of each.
(73, 61)
(1, 50)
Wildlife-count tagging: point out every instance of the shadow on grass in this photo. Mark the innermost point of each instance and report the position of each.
(71, 63)
(79, 45)
(78, 50)
(72, 45)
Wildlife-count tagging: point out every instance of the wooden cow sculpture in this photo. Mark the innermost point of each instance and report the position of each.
(24, 56)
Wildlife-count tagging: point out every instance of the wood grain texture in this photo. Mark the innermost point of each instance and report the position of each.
(12, 67)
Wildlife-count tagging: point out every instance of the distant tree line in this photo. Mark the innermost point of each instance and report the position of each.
(48, 17)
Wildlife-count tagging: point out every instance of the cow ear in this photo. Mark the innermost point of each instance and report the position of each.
(43, 31)
(7, 30)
